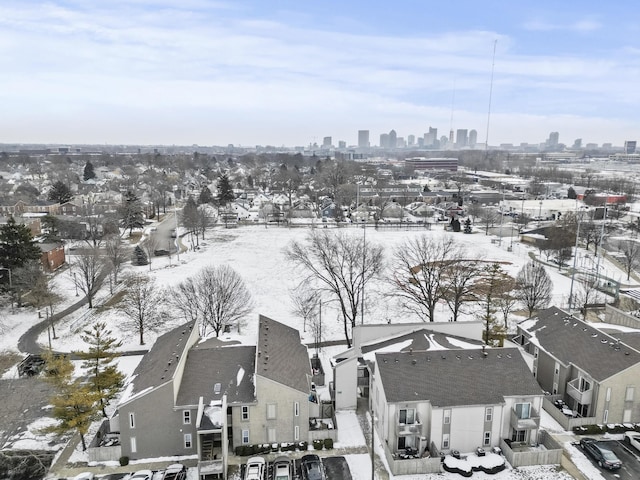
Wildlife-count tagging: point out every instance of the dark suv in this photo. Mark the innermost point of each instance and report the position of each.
(311, 467)
(600, 453)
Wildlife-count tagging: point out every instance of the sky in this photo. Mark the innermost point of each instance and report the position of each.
(292, 72)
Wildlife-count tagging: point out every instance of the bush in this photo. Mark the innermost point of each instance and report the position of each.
(588, 430)
(124, 460)
(328, 443)
(318, 444)
(302, 446)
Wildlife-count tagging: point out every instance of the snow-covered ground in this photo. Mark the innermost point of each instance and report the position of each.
(257, 254)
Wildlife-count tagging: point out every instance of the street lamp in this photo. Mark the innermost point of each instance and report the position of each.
(75, 282)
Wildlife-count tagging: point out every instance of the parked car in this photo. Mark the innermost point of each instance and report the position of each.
(142, 475)
(84, 476)
(600, 453)
(633, 439)
(311, 467)
(176, 471)
(255, 469)
(282, 469)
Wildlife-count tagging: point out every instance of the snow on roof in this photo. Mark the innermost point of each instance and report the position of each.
(394, 347)
(214, 413)
(460, 344)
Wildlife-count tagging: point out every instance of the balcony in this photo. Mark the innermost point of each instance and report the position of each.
(583, 397)
(530, 423)
(415, 428)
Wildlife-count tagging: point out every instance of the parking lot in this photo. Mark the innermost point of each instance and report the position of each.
(336, 468)
(630, 461)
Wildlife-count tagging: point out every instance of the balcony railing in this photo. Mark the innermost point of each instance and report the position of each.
(583, 397)
(530, 423)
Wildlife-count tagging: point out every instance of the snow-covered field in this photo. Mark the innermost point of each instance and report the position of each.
(257, 254)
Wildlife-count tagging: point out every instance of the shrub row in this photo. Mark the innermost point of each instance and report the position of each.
(266, 448)
(598, 429)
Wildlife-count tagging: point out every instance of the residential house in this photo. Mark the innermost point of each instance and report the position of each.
(21, 207)
(191, 396)
(461, 399)
(596, 373)
(52, 256)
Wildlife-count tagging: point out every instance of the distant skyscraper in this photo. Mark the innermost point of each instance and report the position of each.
(411, 140)
(473, 138)
(393, 139)
(461, 138)
(630, 146)
(363, 138)
(431, 137)
(577, 143)
(326, 142)
(342, 144)
(554, 138)
(384, 140)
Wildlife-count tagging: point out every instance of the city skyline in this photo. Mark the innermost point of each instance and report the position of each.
(248, 73)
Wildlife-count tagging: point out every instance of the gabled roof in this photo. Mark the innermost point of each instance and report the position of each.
(449, 378)
(281, 356)
(213, 370)
(421, 340)
(159, 364)
(573, 341)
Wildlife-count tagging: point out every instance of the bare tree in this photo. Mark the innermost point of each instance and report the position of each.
(493, 284)
(215, 297)
(91, 268)
(533, 287)
(342, 263)
(150, 244)
(506, 303)
(587, 293)
(488, 217)
(142, 304)
(630, 249)
(420, 269)
(116, 256)
(204, 220)
(457, 285)
(305, 303)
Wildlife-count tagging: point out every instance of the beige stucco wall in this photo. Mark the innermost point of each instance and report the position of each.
(617, 404)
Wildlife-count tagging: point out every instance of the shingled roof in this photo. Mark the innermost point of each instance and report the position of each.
(422, 340)
(573, 341)
(159, 364)
(212, 371)
(281, 356)
(450, 378)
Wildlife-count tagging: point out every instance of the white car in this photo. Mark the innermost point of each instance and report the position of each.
(142, 475)
(633, 439)
(255, 469)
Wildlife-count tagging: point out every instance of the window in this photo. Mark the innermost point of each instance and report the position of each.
(134, 445)
(488, 414)
(186, 417)
(629, 395)
(523, 410)
(271, 412)
(626, 416)
(486, 441)
(245, 437)
(447, 416)
(407, 416)
(608, 397)
(296, 409)
(187, 440)
(519, 436)
(296, 433)
(445, 441)
(555, 388)
(132, 420)
(605, 416)
(271, 435)
(245, 412)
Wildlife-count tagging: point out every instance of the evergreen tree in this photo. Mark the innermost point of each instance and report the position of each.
(75, 404)
(139, 256)
(60, 193)
(51, 228)
(467, 225)
(88, 172)
(102, 374)
(225, 192)
(493, 284)
(17, 246)
(130, 212)
(205, 196)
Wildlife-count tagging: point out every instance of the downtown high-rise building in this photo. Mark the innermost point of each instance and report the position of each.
(363, 138)
(326, 142)
(553, 140)
(462, 140)
(393, 139)
(431, 137)
(473, 138)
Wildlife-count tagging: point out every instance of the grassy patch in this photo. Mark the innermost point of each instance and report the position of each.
(8, 360)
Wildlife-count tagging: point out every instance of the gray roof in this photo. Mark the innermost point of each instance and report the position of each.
(573, 341)
(281, 356)
(209, 364)
(423, 340)
(448, 378)
(159, 364)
